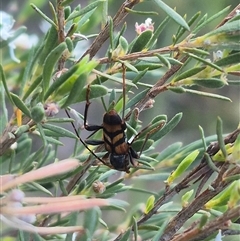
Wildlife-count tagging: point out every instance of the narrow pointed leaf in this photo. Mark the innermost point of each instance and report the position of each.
(172, 14)
(168, 127)
(189, 73)
(89, 7)
(50, 62)
(142, 41)
(207, 94)
(220, 136)
(187, 161)
(61, 131)
(60, 81)
(205, 61)
(3, 79)
(20, 104)
(76, 89)
(43, 15)
(96, 91)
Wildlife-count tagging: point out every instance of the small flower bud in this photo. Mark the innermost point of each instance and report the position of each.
(51, 109)
(148, 25)
(98, 187)
(76, 117)
(37, 113)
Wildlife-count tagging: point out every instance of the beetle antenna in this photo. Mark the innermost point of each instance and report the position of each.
(81, 140)
(124, 89)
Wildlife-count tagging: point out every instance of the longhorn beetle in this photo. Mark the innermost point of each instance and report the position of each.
(119, 150)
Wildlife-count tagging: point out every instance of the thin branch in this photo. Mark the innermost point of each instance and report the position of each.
(222, 222)
(158, 88)
(60, 30)
(104, 34)
(137, 55)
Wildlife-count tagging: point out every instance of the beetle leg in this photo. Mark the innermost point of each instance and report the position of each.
(86, 126)
(146, 137)
(94, 142)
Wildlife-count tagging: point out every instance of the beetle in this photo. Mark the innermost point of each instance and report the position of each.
(120, 153)
(119, 150)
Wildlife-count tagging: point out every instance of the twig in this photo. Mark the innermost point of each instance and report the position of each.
(158, 88)
(222, 222)
(229, 16)
(104, 34)
(60, 30)
(218, 186)
(137, 55)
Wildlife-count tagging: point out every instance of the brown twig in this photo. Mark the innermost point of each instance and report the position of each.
(137, 55)
(104, 34)
(60, 30)
(198, 234)
(217, 185)
(229, 16)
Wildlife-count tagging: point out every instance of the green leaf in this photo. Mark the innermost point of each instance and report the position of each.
(207, 94)
(157, 32)
(27, 71)
(61, 131)
(114, 78)
(178, 90)
(96, 92)
(185, 198)
(164, 60)
(196, 51)
(219, 130)
(187, 161)
(21, 129)
(236, 150)
(37, 187)
(50, 42)
(50, 62)
(147, 66)
(189, 73)
(203, 22)
(141, 12)
(167, 128)
(136, 99)
(126, 236)
(210, 163)
(91, 220)
(149, 204)
(169, 151)
(129, 66)
(32, 87)
(60, 81)
(205, 61)
(160, 231)
(172, 14)
(3, 108)
(3, 79)
(141, 41)
(43, 15)
(209, 83)
(203, 138)
(229, 60)
(181, 30)
(88, 8)
(135, 228)
(20, 104)
(203, 220)
(76, 89)
(38, 113)
(137, 145)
